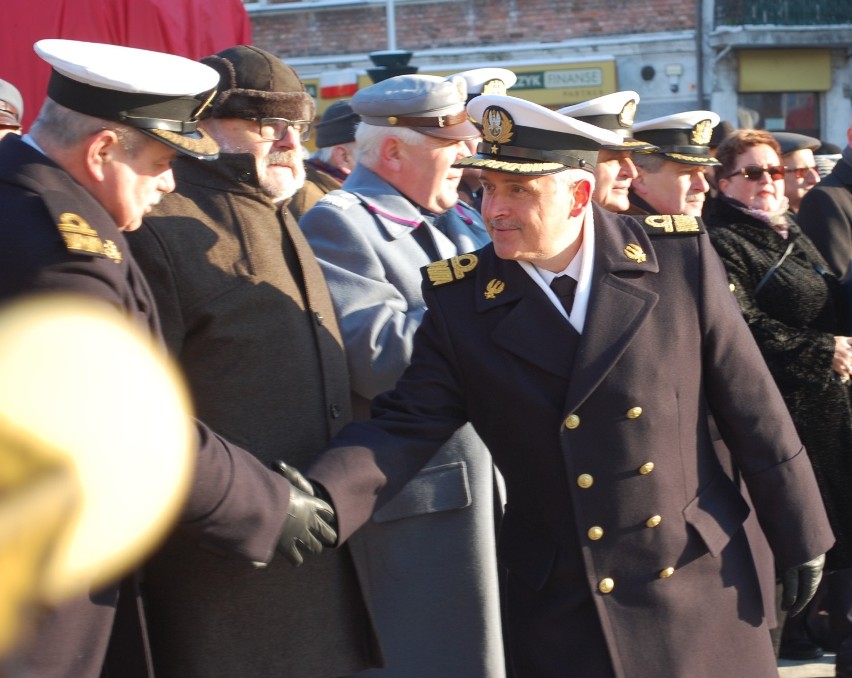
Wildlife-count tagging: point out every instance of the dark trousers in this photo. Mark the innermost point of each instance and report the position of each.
(838, 603)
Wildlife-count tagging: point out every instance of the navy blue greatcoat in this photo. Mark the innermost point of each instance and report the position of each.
(622, 533)
(236, 506)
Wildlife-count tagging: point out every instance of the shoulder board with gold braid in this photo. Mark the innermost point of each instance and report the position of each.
(670, 224)
(80, 238)
(450, 270)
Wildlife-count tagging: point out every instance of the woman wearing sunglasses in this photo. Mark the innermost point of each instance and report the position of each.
(795, 311)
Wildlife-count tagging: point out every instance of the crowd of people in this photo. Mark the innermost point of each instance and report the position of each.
(481, 388)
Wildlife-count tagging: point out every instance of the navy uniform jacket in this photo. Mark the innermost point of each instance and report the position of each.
(622, 533)
(54, 236)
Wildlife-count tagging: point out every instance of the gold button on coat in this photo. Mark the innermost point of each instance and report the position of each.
(668, 572)
(585, 481)
(572, 421)
(653, 521)
(595, 533)
(634, 413)
(606, 585)
(646, 468)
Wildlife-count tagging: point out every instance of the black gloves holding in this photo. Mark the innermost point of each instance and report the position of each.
(799, 584)
(310, 524)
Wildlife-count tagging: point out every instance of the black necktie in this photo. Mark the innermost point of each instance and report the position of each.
(564, 287)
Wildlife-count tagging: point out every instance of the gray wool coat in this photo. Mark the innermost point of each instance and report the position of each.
(246, 312)
(428, 558)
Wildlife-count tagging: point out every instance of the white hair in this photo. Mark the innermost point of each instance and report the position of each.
(369, 138)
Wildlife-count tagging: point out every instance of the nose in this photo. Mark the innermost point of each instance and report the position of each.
(290, 139)
(699, 181)
(462, 150)
(166, 182)
(812, 177)
(492, 207)
(628, 168)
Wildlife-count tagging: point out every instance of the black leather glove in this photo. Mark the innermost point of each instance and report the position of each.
(310, 523)
(799, 584)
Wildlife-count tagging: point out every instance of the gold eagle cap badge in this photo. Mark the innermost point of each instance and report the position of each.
(497, 126)
(628, 113)
(701, 133)
(494, 86)
(493, 288)
(635, 253)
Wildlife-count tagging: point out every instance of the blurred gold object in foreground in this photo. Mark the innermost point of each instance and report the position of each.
(96, 451)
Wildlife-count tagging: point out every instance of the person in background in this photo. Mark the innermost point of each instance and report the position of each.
(826, 157)
(800, 171)
(622, 534)
(614, 170)
(472, 83)
(333, 160)
(246, 312)
(428, 557)
(11, 109)
(671, 180)
(825, 214)
(720, 133)
(95, 161)
(791, 305)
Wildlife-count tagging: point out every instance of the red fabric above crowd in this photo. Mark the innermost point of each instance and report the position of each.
(190, 28)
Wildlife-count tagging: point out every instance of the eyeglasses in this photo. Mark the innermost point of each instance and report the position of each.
(800, 172)
(755, 173)
(273, 129)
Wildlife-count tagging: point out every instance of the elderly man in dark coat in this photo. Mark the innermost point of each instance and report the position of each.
(622, 534)
(246, 312)
(97, 157)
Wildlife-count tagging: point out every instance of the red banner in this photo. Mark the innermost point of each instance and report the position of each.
(190, 28)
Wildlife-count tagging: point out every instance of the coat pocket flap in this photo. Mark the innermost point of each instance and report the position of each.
(434, 489)
(717, 513)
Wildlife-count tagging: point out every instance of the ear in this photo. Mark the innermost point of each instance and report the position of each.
(392, 153)
(100, 151)
(582, 196)
(342, 158)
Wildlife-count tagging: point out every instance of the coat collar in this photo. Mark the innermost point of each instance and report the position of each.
(394, 212)
(621, 300)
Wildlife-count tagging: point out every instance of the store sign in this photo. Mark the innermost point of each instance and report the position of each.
(560, 79)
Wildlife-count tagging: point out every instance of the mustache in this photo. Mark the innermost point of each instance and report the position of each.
(283, 158)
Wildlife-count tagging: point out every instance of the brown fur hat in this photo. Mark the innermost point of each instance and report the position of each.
(256, 84)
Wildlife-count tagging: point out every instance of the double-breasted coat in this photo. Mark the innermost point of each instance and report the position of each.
(236, 506)
(247, 314)
(622, 534)
(433, 548)
(825, 215)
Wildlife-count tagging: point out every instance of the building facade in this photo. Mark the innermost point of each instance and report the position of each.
(778, 64)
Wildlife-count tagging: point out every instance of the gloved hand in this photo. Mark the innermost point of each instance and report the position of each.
(310, 523)
(799, 584)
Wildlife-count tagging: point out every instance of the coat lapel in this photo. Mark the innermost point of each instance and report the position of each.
(532, 328)
(620, 301)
